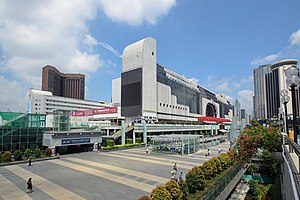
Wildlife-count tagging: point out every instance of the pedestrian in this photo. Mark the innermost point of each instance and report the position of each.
(219, 150)
(147, 150)
(173, 177)
(29, 186)
(208, 152)
(29, 161)
(180, 176)
(175, 168)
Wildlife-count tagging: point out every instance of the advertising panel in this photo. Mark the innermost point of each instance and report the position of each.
(95, 112)
(75, 141)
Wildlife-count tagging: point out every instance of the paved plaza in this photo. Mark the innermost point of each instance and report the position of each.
(124, 174)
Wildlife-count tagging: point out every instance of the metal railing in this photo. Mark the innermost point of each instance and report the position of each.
(289, 186)
(213, 192)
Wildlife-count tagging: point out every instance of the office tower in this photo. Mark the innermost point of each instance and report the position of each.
(62, 84)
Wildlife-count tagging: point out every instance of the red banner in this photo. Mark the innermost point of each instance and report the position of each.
(99, 111)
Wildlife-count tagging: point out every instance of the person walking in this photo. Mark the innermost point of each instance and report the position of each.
(29, 161)
(175, 168)
(180, 176)
(29, 186)
(219, 150)
(208, 152)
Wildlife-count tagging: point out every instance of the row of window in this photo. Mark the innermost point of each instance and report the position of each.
(172, 106)
(76, 103)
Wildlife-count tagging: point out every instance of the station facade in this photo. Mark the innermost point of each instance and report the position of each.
(152, 92)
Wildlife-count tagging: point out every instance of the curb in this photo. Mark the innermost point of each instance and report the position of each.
(25, 161)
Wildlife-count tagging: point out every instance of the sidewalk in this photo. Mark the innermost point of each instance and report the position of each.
(25, 161)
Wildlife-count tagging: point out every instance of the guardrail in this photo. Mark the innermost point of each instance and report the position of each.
(224, 185)
(293, 147)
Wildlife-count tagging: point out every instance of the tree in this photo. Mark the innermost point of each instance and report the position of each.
(195, 179)
(160, 193)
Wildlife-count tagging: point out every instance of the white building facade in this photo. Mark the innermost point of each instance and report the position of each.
(152, 92)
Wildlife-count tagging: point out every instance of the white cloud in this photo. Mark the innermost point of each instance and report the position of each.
(295, 38)
(135, 12)
(246, 99)
(90, 42)
(13, 96)
(32, 36)
(223, 86)
(266, 59)
(110, 48)
(290, 51)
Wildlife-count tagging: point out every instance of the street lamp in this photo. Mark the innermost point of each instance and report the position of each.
(284, 100)
(292, 80)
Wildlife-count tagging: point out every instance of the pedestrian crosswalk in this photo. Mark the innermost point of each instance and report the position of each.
(93, 175)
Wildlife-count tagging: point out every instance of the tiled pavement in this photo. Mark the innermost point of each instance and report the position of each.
(126, 174)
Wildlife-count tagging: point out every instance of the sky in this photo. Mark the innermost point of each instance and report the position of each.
(216, 43)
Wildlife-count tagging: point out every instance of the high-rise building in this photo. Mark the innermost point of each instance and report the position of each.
(269, 80)
(259, 97)
(155, 93)
(62, 84)
(243, 113)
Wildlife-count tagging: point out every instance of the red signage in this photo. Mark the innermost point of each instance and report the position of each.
(213, 119)
(99, 111)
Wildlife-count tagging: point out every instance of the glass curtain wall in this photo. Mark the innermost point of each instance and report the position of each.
(176, 144)
(24, 132)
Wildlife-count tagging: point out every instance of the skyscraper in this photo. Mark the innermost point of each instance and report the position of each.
(61, 84)
(269, 80)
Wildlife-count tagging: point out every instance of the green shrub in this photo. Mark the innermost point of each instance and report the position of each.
(184, 188)
(37, 153)
(129, 141)
(253, 168)
(7, 156)
(27, 153)
(48, 152)
(218, 166)
(1, 157)
(18, 155)
(174, 189)
(160, 193)
(144, 198)
(254, 190)
(195, 179)
(209, 168)
(110, 143)
(138, 140)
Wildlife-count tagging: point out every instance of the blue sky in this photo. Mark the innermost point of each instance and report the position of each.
(216, 43)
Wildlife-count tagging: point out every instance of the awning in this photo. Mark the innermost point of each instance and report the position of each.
(213, 119)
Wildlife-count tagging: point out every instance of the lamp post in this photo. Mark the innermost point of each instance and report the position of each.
(293, 80)
(284, 100)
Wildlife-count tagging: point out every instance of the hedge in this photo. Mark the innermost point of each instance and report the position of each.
(144, 198)
(48, 152)
(18, 155)
(174, 189)
(7, 156)
(138, 140)
(37, 153)
(195, 179)
(110, 143)
(27, 153)
(160, 193)
(121, 146)
(129, 141)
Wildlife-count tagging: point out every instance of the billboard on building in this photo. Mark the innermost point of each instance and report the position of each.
(98, 111)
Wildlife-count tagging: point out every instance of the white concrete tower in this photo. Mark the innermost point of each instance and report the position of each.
(139, 79)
